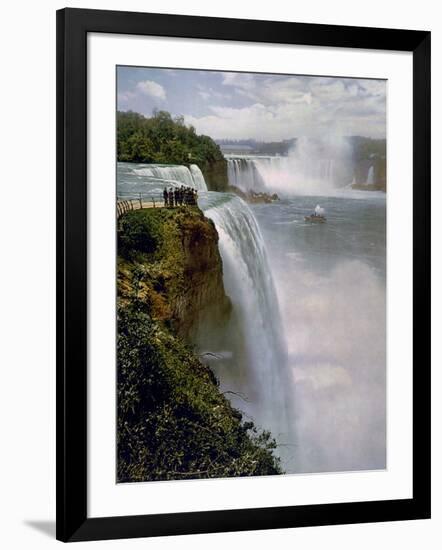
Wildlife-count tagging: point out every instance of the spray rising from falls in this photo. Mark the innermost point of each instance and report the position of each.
(173, 175)
(314, 166)
(249, 283)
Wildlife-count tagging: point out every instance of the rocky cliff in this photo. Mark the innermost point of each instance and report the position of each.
(215, 175)
(177, 271)
(369, 155)
(173, 421)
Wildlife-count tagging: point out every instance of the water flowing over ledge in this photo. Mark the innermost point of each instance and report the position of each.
(174, 175)
(249, 284)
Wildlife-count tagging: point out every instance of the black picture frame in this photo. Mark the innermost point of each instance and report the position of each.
(73, 25)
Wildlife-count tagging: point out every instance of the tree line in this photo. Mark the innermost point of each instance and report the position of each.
(162, 139)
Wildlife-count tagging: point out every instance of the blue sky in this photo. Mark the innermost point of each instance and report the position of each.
(264, 107)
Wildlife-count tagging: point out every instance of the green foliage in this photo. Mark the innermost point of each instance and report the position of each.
(161, 230)
(366, 148)
(173, 421)
(162, 139)
(138, 233)
(153, 238)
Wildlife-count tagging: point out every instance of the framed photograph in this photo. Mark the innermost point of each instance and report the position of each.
(243, 274)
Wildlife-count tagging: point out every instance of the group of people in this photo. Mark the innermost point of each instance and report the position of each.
(180, 195)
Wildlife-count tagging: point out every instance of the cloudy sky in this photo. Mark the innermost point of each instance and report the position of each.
(264, 107)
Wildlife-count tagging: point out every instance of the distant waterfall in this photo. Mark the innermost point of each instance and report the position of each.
(244, 174)
(173, 175)
(370, 176)
(283, 174)
(249, 284)
(312, 166)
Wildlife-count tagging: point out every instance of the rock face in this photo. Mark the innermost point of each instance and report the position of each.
(369, 155)
(202, 300)
(379, 178)
(170, 257)
(215, 175)
(253, 197)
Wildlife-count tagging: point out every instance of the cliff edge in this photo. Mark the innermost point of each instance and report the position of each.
(173, 420)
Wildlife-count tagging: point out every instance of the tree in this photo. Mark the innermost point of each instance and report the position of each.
(162, 139)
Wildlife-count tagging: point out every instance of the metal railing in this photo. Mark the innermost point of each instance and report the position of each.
(126, 205)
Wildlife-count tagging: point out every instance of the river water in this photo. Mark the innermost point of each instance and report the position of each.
(331, 285)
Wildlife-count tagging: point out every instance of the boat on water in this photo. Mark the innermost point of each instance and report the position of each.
(317, 216)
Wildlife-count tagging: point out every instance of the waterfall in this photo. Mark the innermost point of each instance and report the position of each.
(249, 284)
(370, 176)
(313, 166)
(173, 175)
(198, 178)
(244, 173)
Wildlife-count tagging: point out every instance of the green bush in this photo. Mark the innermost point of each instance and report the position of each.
(162, 139)
(173, 421)
(138, 233)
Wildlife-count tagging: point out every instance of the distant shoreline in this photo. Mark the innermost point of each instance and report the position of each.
(368, 187)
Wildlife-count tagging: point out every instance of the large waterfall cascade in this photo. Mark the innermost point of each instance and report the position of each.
(312, 166)
(244, 173)
(174, 175)
(249, 283)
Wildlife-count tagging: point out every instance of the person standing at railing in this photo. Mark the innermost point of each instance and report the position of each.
(166, 197)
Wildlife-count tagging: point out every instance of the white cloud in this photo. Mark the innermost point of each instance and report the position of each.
(208, 93)
(328, 89)
(204, 95)
(152, 89)
(282, 107)
(373, 87)
(307, 98)
(126, 97)
(257, 120)
(282, 90)
(244, 81)
(305, 115)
